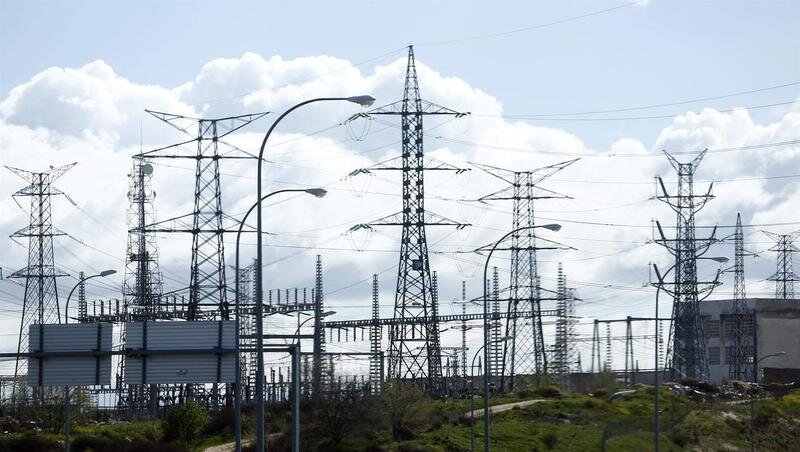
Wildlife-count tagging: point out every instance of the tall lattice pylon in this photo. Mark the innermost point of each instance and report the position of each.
(142, 288)
(320, 372)
(414, 351)
(784, 276)
(375, 336)
(40, 302)
(688, 340)
(564, 350)
(524, 353)
(207, 222)
(741, 356)
(495, 363)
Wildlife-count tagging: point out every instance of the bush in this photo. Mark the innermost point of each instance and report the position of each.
(549, 439)
(185, 422)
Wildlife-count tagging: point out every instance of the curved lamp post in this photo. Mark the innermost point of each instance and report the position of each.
(656, 415)
(364, 101)
(317, 192)
(487, 370)
(102, 274)
(753, 392)
(471, 398)
(323, 314)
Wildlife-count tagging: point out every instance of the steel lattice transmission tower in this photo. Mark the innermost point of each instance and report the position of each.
(320, 369)
(40, 302)
(688, 341)
(142, 288)
(524, 354)
(376, 356)
(414, 350)
(206, 223)
(741, 357)
(564, 350)
(495, 327)
(784, 276)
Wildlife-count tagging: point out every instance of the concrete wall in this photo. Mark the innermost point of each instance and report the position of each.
(777, 326)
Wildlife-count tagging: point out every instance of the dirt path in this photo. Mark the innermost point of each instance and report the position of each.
(227, 447)
(505, 407)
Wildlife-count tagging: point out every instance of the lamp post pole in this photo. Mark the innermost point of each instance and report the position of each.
(102, 274)
(361, 100)
(656, 414)
(487, 368)
(471, 398)
(753, 389)
(237, 400)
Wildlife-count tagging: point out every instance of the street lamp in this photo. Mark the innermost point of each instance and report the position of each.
(656, 415)
(317, 192)
(471, 398)
(487, 372)
(102, 274)
(753, 391)
(364, 101)
(323, 314)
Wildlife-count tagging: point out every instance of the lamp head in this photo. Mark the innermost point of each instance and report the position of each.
(552, 227)
(364, 101)
(327, 313)
(720, 259)
(318, 192)
(105, 273)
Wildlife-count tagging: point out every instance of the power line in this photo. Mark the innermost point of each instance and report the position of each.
(529, 28)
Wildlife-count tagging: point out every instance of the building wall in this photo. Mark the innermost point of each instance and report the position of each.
(777, 326)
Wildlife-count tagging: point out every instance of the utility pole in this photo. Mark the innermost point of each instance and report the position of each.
(524, 353)
(319, 372)
(739, 367)
(784, 276)
(40, 303)
(688, 341)
(414, 349)
(205, 223)
(375, 358)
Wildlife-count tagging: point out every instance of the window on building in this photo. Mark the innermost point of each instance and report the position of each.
(712, 328)
(728, 327)
(729, 354)
(713, 355)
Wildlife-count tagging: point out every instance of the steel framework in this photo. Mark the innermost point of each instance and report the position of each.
(375, 330)
(740, 362)
(207, 278)
(524, 353)
(414, 349)
(784, 276)
(564, 350)
(40, 302)
(688, 341)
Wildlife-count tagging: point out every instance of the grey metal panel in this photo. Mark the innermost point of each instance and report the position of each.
(70, 371)
(179, 368)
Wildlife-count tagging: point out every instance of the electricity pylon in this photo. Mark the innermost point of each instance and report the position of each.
(688, 341)
(784, 276)
(40, 303)
(414, 350)
(524, 353)
(206, 222)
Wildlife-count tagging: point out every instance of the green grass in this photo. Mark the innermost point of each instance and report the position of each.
(561, 423)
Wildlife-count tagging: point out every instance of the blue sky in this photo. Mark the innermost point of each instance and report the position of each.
(658, 51)
(111, 60)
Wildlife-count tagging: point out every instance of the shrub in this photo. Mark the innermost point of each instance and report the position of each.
(185, 422)
(549, 439)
